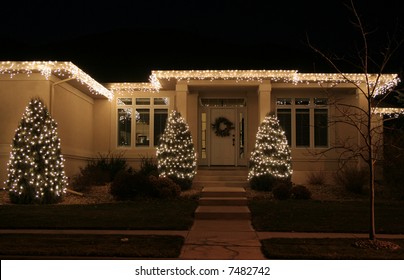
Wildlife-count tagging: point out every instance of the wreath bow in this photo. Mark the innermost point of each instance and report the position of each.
(218, 127)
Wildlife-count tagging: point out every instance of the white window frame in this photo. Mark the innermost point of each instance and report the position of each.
(311, 107)
(151, 107)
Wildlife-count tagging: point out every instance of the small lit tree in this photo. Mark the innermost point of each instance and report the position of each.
(35, 169)
(175, 153)
(270, 160)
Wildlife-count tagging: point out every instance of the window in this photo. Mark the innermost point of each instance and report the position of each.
(124, 126)
(149, 120)
(302, 128)
(304, 120)
(320, 127)
(285, 120)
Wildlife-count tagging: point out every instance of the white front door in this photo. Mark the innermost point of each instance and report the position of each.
(223, 147)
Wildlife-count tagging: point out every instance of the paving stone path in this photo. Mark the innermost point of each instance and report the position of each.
(222, 228)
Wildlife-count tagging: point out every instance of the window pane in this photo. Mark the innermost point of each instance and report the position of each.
(160, 118)
(203, 135)
(320, 101)
(242, 136)
(124, 101)
(142, 101)
(285, 120)
(302, 101)
(142, 127)
(161, 101)
(217, 102)
(302, 128)
(321, 127)
(124, 127)
(284, 101)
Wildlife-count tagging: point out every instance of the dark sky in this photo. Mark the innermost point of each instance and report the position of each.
(125, 40)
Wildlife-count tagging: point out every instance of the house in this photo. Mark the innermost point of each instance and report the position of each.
(98, 118)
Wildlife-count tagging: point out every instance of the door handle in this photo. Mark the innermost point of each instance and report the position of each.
(234, 140)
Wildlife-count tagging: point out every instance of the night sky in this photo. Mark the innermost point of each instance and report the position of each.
(125, 40)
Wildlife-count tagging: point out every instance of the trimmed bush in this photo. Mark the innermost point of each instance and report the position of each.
(127, 185)
(263, 182)
(99, 171)
(185, 184)
(282, 189)
(148, 167)
(300, 192)
(81, 183)
(352, 179)
(164, 187)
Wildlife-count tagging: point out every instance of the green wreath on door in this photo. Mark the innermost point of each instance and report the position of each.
(222, 127)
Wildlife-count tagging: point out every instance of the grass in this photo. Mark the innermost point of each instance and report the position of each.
(156, 214)
(111, 246)
(325, 216)
(300, 248)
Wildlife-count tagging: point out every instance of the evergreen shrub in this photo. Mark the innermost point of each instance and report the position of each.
(129, 185)
(282, 189)
(300, 192)
(99, 171)
(262, 183)
(164, 187)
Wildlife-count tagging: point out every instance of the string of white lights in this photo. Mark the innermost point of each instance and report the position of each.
(60, 69)
(380, 83)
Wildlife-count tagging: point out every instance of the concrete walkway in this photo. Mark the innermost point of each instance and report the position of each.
(222, 240)
(222, 228)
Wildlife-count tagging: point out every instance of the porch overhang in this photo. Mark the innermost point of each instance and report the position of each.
(168, 79)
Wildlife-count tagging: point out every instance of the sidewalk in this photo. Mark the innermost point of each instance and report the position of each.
(213, 239)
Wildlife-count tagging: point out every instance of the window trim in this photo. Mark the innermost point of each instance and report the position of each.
(293, 106)
(151, 107)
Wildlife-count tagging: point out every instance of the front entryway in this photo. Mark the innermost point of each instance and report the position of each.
(223, 133)
(223, 147)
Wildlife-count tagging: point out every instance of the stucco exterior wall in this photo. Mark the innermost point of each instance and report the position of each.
(73, 111)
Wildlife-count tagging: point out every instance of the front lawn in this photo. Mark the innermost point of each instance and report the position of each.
(318, 249)
(78, 245)
(158, 214)
(325, 216)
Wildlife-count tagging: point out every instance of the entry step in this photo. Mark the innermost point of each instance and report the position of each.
(225, 201)
(223, 192)
(222, 212)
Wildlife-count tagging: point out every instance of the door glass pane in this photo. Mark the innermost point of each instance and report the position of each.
(124, 126)
(285, 121)
(160, 118)
(142, 127)
(302, 128)
(321, 127)
(203, 136)
(218, 102)
(241, 136)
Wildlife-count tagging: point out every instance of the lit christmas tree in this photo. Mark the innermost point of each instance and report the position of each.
(175, 153)
(270, 159)
(35, 169)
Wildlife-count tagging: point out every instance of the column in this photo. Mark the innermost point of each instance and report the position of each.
(264, 99)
